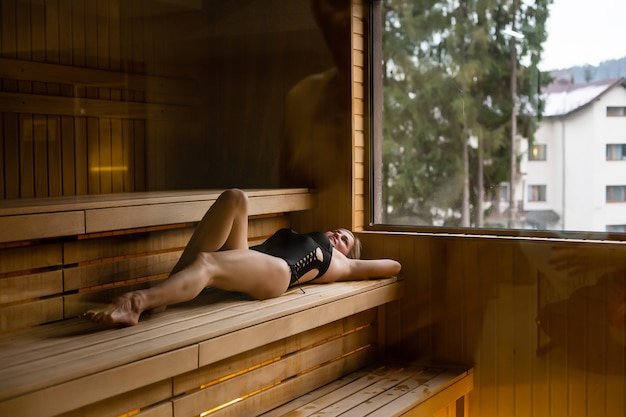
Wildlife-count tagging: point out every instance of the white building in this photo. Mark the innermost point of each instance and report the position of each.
(575, 172)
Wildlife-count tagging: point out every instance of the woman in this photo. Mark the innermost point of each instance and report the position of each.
(218, 256)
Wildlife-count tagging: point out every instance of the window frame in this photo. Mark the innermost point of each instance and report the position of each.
(623, 151)
(612, 190)
(615, 111)
(542, 155)
(542, 191)
(373, 147)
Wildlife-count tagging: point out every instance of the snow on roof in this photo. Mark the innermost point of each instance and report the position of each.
(564, 98)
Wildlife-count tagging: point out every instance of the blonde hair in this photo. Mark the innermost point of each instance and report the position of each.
(355, 252)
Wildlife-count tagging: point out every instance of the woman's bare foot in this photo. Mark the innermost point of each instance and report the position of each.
(125, 310)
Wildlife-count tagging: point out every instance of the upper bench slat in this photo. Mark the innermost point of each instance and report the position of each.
(27, 219)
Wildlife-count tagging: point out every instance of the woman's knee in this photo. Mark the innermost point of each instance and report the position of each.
(235, 196)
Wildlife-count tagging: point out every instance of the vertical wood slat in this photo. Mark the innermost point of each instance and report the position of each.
(11, 155)
(2, 160)
(8, 30)
(93, 155)
(68, 147)
(23, 38)
(55, 153)
(104, 166)
(81, 156)
(40, 147)
(27, 177)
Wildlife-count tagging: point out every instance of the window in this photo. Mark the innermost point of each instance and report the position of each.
(537, 152)
(621, 228)
(504, 192)
(536, 193)
(615, 193)
(616, 111)
(616, 152)
(448, 130)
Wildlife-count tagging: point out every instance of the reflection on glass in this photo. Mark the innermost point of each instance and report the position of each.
(582, 305)
(316, 147)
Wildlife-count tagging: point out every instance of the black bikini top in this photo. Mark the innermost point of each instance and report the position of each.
(302, 252)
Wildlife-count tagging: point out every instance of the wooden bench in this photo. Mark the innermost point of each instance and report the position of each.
(222, 352)
(387, 391)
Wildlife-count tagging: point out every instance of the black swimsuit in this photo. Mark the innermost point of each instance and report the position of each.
(302, 252)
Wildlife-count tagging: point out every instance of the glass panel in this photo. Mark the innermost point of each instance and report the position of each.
(124, 96)
(464, 103)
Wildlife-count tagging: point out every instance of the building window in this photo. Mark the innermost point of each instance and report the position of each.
(538, 152)
(536, 193)
(616, 152)
(621, 228)
(616, 111)
(615, 193)
(504, 192)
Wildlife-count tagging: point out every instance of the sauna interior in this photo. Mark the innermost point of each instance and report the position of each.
(106, 99)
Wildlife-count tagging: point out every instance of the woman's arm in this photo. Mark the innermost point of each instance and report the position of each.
(346, 269)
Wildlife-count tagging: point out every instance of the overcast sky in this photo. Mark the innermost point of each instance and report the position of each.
(584, 32)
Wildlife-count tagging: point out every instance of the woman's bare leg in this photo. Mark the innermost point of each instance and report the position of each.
(256, 274)
(223, 227)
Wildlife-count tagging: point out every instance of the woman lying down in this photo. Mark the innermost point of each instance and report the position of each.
(218, 256)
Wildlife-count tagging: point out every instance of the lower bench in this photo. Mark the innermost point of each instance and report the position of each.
(387, 391)
(220, 355)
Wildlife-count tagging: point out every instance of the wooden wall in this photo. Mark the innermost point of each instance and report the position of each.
(543, 342)
(118, 96)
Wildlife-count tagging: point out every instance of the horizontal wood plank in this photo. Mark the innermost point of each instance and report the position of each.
(40, 226)
(89, 107)
(29, 257)
(132, 244)
(124, 270)
(30, 286)
(129, 402)
(30, 314)
(173, 90)
(117, 218)
(62, 397)
(56, 204)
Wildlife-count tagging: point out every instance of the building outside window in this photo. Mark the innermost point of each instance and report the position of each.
(615, 193)
(536, 193)
(538, 152)
(616, 152)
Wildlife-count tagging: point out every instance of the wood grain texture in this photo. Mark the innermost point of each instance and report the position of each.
(72, 356)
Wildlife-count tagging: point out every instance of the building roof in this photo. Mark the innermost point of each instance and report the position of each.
(562, 97)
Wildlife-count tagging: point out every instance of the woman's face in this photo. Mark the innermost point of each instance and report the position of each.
(341, 239)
